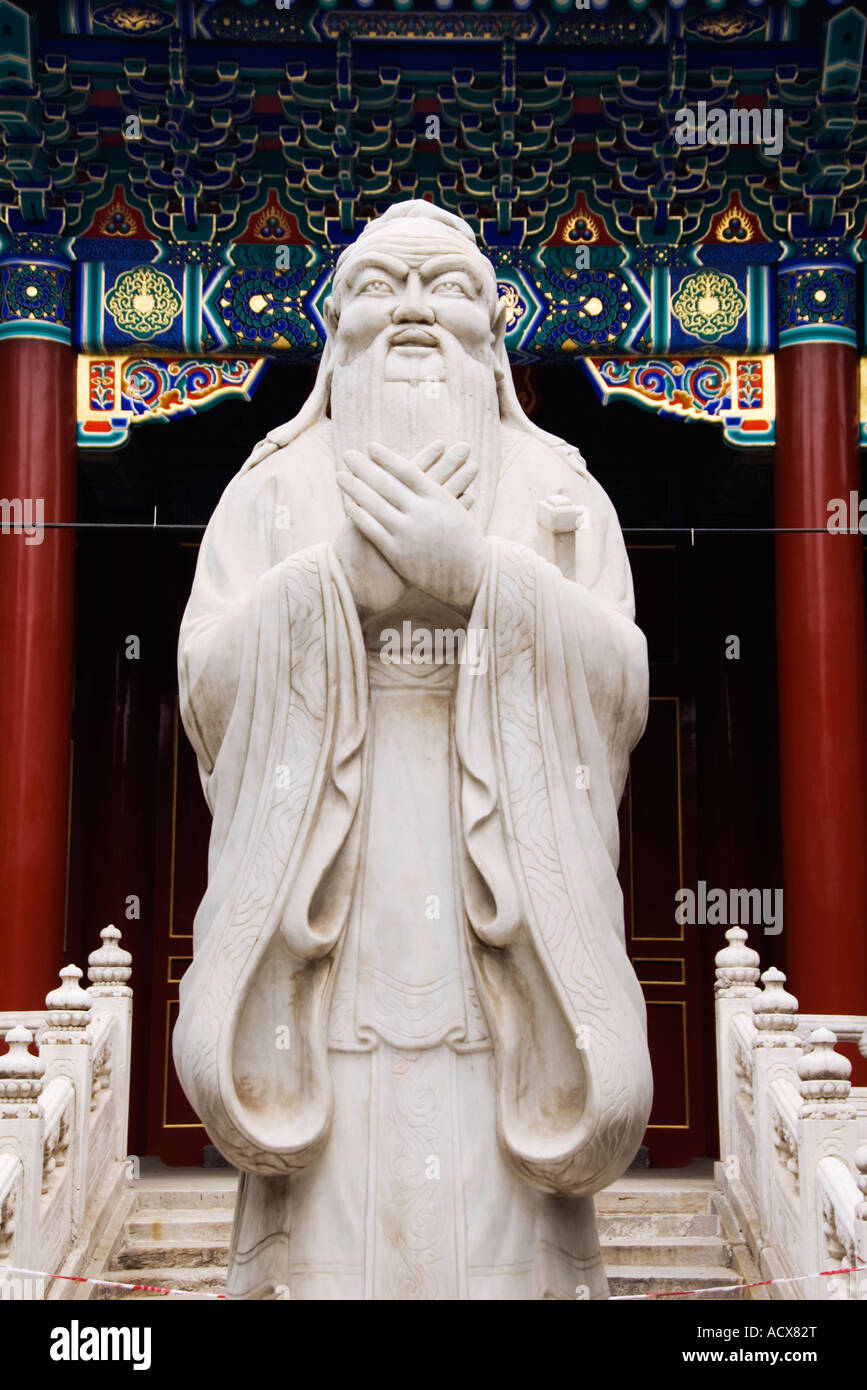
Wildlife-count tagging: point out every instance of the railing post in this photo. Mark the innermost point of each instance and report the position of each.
(109, 969)
(776, 1052)
(66, 1049)
(825, 1117)
(22, 1132)
(737, 969)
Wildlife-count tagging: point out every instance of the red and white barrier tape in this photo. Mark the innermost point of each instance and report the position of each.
(732, 1288)
(107, 1283)
(615, 1298)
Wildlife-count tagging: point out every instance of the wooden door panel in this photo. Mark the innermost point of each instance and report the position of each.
(658, 857)
(183, 830)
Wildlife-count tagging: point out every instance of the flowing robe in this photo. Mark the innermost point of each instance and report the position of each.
(410, 1019)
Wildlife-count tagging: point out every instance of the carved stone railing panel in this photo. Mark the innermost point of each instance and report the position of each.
(100, 1078)
(861, 1223)
(58, 1103)
(786, 1149)
(839, 1199)
(11, 1174)
(849, 1028)
(31, 1019)
(22, 1122)
(56, 1206)
(64, 1087)
(744, 1075)
(791, 1127)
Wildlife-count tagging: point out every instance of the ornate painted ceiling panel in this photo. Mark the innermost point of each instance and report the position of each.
(648, 178)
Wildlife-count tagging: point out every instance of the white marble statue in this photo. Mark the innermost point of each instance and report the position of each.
(410, 1020)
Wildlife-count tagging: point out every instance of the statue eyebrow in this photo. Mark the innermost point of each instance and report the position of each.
(437, 265)
(429, 269)
(377, 260)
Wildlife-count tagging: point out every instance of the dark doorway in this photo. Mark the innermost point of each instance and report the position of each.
(702, 798)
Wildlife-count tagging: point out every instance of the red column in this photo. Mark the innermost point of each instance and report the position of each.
(822, 675)
(37, 460)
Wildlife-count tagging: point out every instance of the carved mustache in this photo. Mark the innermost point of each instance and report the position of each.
(414, 336)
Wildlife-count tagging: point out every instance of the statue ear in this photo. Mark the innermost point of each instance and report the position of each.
(498, 328)
(330, 315)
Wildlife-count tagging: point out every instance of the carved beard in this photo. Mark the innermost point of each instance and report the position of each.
(407, 400)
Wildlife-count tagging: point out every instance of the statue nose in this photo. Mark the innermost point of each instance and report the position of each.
(413, 307)
(413, 313)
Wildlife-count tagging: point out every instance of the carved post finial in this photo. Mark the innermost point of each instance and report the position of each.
(109, 967)
(776, 1011)
(21, 1071)
(737, 966)
(824, 1075)
(68, 1007)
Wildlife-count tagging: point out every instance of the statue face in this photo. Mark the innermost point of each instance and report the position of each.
(414, 350)
(414, 291)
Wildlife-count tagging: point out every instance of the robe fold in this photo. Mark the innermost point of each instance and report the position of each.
(424, 1121)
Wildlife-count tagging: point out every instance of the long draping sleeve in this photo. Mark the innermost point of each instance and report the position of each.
(274, 698)
(544, 738)
(233, 565)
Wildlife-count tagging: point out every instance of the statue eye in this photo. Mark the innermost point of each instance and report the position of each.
(450, 287)
(376, 287)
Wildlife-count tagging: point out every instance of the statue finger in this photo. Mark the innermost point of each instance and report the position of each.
(368, 499)
(453, 459)
(409, 472)
(429, 455)
(367, 525)
(388, 487)
(351, 457)
(461, 479)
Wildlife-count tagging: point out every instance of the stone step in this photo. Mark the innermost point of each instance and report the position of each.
(160, 1224)
(679, 1252)
(656, 1226)
(659, 1234)
(172, 1254)
(645, 1197)
(634, 1279)
(191, 1281)
(164, 1195)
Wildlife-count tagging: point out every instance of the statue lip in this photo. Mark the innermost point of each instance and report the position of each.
(414, 337)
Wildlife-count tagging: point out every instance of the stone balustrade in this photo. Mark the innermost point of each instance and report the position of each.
(793, 1130)
(64, 1095)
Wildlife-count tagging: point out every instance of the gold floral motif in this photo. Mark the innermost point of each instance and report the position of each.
(709, 304)
(724, 26)
(132, 19)
(144, 302)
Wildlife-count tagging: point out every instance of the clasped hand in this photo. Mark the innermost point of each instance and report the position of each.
(410, 511)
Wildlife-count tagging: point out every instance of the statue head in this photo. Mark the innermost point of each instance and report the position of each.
(416, 276)
(413, 321)
(415, 345)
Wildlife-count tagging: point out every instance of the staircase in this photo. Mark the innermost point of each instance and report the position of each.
(666, 1230)
(175, 1235)
(660, 1231)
